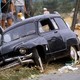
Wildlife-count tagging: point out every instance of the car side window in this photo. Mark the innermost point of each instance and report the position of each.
(45, 25)
(60, 23)
(20, 31)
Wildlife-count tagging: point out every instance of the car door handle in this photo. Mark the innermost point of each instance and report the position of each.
(55, 31)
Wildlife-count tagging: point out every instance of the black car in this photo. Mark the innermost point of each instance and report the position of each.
(38, 39)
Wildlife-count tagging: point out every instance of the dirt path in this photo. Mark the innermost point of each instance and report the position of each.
(54, 74)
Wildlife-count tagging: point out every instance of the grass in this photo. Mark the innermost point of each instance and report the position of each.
(18, 73)
(25, 73)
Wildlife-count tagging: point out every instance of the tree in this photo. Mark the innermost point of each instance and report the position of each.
(29, 8)
(51, 5)
(65, 5)
(38, 7)
(77, 5)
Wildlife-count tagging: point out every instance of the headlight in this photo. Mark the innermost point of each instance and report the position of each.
(22, 50)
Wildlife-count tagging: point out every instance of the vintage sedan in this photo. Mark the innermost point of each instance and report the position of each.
(38, 39)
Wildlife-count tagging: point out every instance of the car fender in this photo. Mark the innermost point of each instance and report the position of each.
(69, 37)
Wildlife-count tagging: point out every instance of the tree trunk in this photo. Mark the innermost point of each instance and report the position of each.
(29, 8)
(75, 15)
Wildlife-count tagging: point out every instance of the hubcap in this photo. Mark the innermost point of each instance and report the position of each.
(73, 53)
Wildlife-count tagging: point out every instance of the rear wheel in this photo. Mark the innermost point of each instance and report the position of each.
(37, 60)
(73, 54)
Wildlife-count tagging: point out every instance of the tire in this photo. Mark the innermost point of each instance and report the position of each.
(37, 60)
(73, 54)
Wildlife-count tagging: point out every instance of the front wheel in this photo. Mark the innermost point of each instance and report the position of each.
(73, 54)
(37, 59)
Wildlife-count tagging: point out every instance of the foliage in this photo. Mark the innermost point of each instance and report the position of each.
(66, 6)
(51, 5)
(38, 7)
(54, 5)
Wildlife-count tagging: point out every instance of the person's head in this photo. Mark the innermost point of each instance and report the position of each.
(4, 1)
(44, 9)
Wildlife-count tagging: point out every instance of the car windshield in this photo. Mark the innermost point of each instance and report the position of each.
(20, 31)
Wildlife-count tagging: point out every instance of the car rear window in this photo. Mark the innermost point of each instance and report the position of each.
(60, 23)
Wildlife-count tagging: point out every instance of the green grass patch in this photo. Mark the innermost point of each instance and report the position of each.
(18, 73)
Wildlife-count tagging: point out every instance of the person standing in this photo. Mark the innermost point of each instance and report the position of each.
(19, 8)
(7, 13)
(45, 11)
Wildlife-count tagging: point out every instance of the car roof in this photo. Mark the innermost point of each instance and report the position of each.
(32, 19)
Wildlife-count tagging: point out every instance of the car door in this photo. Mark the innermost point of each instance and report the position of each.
(52, 35)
